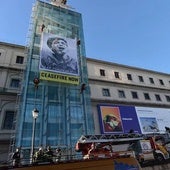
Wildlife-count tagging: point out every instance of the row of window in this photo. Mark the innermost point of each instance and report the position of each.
(9, 115)
(129, 77)
(134, 94)
(15, 83)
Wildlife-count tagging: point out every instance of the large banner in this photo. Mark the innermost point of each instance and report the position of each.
(49, 76)
(153, 120)
(122, 119)
(58, 54)
(118, 119)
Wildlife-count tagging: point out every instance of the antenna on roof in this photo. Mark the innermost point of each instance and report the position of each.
(60, 3)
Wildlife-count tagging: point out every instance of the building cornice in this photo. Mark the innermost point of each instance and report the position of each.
(12, 45)
(126, 85)
(129, 103)
(125, 66)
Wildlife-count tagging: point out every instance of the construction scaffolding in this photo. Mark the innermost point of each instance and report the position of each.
(64, 109)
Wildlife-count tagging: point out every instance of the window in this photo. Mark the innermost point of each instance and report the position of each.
(134, 95)
(167, 98)
(102, 72)
(129, 76)
(121, 94)
(37, 39)
(151, 80)
(161, 82)
(146, 95)
(36, 50)
(141, 79)
(8, 120)
(117, 75)
(20, 60)
(158, 98)
(53, 93)
(105, 92)
(15, 83)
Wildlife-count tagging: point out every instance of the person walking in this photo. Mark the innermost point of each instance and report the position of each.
(49, 154)
(16, 158)
(58, 155)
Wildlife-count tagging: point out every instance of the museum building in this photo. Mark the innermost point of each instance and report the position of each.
(54, 103)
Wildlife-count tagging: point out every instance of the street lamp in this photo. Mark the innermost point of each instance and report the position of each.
(35, 113)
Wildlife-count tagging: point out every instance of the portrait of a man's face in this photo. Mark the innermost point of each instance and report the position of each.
(59, 54)
(111, 119)
(58, 45)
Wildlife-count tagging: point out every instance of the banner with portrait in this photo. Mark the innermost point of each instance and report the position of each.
(110, 119)
(123, 119)
(58, 54)
(118, 119)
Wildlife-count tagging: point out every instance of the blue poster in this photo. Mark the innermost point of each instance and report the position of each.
(129, 119)
(118, 119)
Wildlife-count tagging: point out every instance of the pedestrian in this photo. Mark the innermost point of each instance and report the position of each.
(39, 155)
(16, 158)
(58, 155)
(49, 154)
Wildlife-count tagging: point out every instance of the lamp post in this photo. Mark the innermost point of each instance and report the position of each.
(35, 113)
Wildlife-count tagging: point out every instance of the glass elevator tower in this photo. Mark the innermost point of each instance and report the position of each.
(62, 98)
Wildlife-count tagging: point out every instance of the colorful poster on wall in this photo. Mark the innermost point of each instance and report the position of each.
(111, 120)
(153, 120)
(129, 119)
(143, 120)
(149, 124)
(58, 54)
(118, 119)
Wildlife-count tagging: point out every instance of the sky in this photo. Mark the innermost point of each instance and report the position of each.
(130, 32)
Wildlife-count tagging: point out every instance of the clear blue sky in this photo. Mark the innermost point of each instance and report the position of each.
(130, 32)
